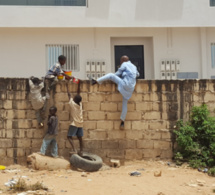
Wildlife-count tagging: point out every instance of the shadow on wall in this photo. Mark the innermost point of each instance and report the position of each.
(158, 10)
(93, 11)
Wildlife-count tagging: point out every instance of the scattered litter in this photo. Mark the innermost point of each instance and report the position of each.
(12, 170)
(23, 193)
(63, 190)
(168, 163)
(89, 180)
(2, 167)
(83, 174)
(115, 163)
(160, 193)
(199, 169)
(135, 173)
(11, 182)
(141, 169)
(205, 170)
(157, 173)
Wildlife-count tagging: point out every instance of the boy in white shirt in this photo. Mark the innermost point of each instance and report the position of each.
(76, 127)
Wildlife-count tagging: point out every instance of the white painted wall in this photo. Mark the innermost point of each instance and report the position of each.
(22, 50)
(113, 13)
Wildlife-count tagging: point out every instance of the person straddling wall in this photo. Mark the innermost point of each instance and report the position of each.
(37, 100)
(125, 78)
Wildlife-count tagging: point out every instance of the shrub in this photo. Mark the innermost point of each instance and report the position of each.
(196, 138)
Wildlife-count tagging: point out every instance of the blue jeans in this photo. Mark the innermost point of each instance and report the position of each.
(117, 80)
(47, 140)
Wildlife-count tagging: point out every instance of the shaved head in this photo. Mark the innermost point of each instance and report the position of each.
(124, 59)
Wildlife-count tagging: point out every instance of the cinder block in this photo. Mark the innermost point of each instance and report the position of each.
(21, 105)
(3, 95)
(117, 154)
(134, 116)
(169, 97)
(63, 116)
(16, 114)
(39, 134)
(8, 124)
(144, 106)
(16, 95)
(109, 144)
(116, 134)
(166, 154)
(96, 115)
(166, 135)
(5, 143)
(7, 104)
(131, 106)
(64, 125)
(209, 97)
(107, 125)
(107, 87)
(109, 106)
(22, 124)
(91, 106)
(134, 134)
(127, 125)
(113, 115)
(136, 97)
(22, 161)
(89, 125)
(61, 97)
(141, 87)
(23, 143)
(139, 125)
(95, 97)
(35, 143)
(152, 115)
(60, 106)
(29, 114)
(156, 125)
(15, 152)
(114, 97)
(133, 154)
(165, 145)
(95, 144)
(84, 97)
(58, 88)
(151, 135)
(151, 153)
(30, 133)
(2, 153)
(151, 97)
(127, 144)
(61, 143)
(145, 144)
(85, 87)
(97, 135)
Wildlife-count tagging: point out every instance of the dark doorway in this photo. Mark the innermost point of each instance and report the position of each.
(136, 55)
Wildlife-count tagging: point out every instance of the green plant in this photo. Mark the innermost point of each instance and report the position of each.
(211, 172)
(196, 138)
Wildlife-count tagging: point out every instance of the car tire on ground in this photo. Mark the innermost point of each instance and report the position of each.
(88, 162)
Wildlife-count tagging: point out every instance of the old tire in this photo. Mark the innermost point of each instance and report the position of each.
(88, 162)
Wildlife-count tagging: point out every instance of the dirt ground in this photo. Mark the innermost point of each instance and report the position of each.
(173, 180)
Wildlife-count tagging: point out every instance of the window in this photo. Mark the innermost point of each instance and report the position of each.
(212, 2)
(70, 51)
(45, 2)
(213, 55)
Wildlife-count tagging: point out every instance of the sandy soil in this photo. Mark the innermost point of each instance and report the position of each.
(173, 181)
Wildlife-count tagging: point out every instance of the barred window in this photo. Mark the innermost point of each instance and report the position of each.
(70, 51)
(212, 2)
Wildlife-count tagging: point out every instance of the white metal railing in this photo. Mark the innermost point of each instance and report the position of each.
(70, 51)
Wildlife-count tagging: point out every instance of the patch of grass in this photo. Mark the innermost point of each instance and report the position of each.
(22, 186)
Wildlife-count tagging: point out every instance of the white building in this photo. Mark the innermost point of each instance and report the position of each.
(179, 33)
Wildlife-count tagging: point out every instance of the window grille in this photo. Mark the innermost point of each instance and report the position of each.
(70, 51)
(212, 2)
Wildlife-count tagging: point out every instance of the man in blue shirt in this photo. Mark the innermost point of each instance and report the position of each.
(125, 78)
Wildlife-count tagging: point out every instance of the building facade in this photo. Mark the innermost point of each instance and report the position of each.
(166, 39)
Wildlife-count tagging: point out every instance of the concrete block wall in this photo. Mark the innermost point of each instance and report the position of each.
(152, 114)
